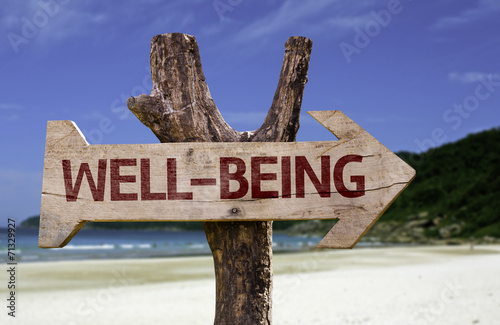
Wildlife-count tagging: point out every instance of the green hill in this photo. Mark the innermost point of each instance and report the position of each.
(456, 184)
(456, 194)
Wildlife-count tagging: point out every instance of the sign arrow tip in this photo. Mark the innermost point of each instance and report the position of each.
(394, 177)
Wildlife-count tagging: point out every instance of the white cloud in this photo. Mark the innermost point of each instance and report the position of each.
(331, 18)
(291, 12)
(9, 106)
(471, 77)
(9, 111)
(313, 16)
(89, 18)
(483, 9)
(102, 20)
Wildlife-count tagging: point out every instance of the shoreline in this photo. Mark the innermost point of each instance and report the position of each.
(394, 285)
(201, 266)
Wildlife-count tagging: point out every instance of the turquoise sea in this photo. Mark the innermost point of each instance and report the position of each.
(112, 244)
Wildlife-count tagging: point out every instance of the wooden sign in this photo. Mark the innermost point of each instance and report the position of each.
(353, 180)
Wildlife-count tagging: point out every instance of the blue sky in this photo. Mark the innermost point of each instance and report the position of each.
(414, 74)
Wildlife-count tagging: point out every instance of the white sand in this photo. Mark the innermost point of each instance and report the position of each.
(422, 285)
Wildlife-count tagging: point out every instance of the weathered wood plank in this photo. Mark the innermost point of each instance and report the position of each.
(181, 109)
(220, 181)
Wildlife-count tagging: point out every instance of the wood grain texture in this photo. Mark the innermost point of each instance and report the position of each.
(385, 176)
(181, 109)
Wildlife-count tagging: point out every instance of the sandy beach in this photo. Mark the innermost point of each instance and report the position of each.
(396, 285)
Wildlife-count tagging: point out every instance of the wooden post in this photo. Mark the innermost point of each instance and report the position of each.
(181, 109)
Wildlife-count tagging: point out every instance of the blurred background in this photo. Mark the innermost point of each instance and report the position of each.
(414, 74)
(422, 77)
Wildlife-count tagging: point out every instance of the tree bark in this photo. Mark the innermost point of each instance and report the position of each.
(181, 109)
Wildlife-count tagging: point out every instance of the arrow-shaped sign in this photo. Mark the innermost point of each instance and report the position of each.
(353, 180)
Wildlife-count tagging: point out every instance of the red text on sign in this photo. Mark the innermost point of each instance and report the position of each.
(232, 170)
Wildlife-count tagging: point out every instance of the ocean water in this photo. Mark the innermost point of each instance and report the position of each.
(113, 244)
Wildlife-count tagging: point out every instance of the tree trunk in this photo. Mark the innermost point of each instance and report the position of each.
(181, 109)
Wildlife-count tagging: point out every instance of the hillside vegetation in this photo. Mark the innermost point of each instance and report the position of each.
(456, 190)
(456, 194)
